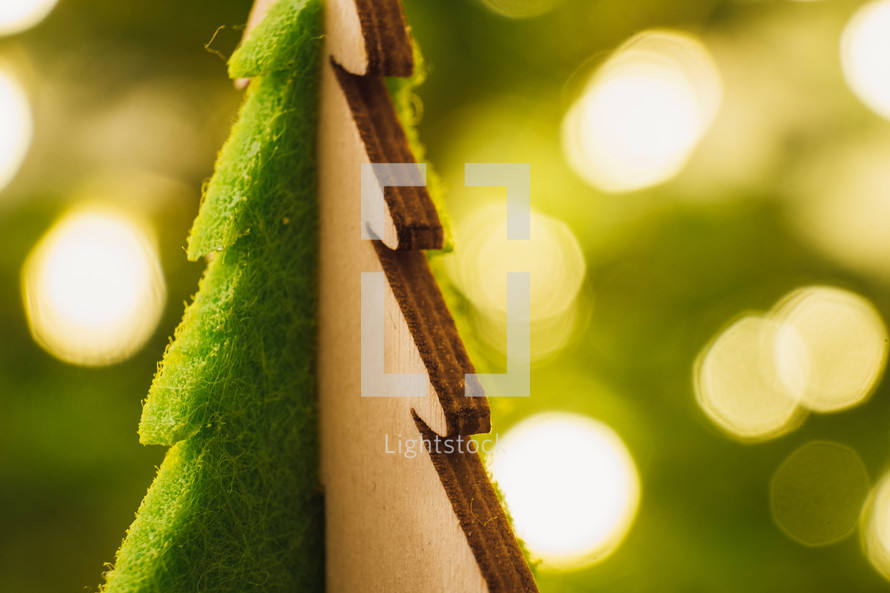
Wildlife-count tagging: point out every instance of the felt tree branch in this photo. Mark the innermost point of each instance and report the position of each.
(235, 506)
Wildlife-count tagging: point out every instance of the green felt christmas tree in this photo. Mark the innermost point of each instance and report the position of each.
(236, 506)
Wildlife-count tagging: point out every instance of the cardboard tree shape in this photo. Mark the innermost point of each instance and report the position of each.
(236, 505)
(393, 523)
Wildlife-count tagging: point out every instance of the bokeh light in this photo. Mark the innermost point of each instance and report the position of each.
(865, 54)
(841, 206)
(93, 288)
(817, 493)
(875, 527)
(19, 15)
(820, 348)
(643, 113)
(840, 346)
(840, 203)
(571, 486)
(739, 385)
(553, 258)
(16, 126)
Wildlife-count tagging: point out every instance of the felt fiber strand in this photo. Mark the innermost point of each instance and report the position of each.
(235, 507)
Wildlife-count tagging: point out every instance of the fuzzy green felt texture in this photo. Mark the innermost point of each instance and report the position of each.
(236, 199)
(235, 507)
(276, 42)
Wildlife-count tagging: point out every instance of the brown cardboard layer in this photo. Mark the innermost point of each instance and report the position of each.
(481, 518)
(436, 337)
(387, 42)
(411, 208)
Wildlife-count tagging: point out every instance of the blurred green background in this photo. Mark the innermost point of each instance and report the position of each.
(789, 187)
